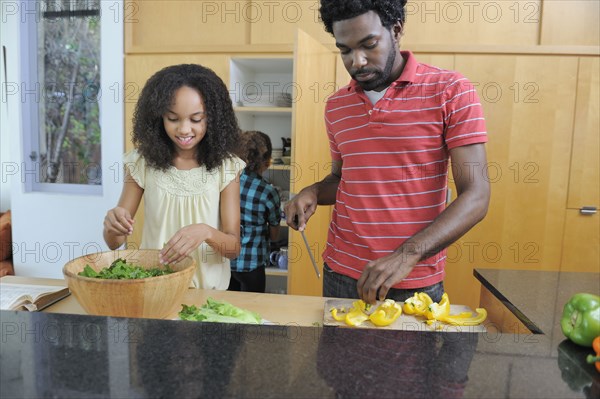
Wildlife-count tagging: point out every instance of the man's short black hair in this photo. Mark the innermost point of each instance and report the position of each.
(389, 11)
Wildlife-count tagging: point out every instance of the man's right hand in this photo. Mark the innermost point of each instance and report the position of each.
(300, 208)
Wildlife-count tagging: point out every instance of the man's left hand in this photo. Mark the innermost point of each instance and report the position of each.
(382, 274)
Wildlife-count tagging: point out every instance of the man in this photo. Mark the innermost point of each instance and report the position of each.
(392, 131)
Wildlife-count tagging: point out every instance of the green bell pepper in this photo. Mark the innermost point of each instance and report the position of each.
(581, 318)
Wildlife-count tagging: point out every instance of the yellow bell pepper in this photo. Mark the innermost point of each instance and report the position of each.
(437, 311)
(422, 305)
(386, 313)
(357, 315)
(362, 305)
(339, 317)
(463, 315)
(460, 320)
(417, 304)
(356, 318)
(353, 317)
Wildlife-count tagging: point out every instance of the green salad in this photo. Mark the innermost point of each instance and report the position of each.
(120, 270)
(220, 312)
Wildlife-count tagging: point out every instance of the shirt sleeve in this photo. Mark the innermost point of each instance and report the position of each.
(273, 205)
(464, 123)
(135, 164)
(230, 170)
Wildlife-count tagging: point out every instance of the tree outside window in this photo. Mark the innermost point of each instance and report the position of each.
(68, 60)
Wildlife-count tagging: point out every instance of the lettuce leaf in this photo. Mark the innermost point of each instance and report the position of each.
(219, 312)
(120, 269)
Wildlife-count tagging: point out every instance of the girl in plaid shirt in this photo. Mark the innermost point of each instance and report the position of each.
(260, 214)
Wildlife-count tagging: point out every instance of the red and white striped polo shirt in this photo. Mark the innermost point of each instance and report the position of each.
(395, 164)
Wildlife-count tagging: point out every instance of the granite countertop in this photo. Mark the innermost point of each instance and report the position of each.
(67, 355)
(73, 355)
(536, 297)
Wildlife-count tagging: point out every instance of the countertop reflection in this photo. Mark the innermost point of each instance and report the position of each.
(63, 355)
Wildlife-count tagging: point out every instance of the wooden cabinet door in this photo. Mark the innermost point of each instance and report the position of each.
(529, 106)
(314, 78)
(484, 22)
(276, 22)
(179, 25)
(138, 69)
(581, 250)
(570, 22)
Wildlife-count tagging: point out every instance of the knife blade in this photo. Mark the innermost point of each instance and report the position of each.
(312, 259)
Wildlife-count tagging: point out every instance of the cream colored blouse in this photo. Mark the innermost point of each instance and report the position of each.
(176, 198)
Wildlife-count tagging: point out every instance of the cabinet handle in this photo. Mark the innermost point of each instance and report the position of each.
(588, 210)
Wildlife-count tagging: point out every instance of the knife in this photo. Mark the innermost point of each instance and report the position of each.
(312, 259)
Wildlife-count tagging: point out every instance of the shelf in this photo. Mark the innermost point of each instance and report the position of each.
(264, 110)
(280, 167)
(273, 271)
(253, 78)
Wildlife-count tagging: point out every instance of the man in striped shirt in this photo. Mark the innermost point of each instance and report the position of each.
(392, 131)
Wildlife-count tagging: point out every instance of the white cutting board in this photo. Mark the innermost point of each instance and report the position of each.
(404, 322)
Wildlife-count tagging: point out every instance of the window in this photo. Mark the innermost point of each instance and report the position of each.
(61, 95)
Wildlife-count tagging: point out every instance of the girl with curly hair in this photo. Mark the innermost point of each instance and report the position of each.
(260, 214)
(184, 167)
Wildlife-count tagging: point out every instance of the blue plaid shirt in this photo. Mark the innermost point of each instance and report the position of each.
(259, 203)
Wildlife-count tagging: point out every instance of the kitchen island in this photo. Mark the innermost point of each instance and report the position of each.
(62, 352)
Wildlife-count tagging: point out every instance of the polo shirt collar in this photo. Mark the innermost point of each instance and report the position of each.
(408, 74)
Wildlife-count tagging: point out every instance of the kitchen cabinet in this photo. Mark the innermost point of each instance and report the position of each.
(573, 22)
(277, 22)
(314, 75)
(176, 26)
(529, 106)
(260, 87)
(581, 251)
(486, 22)
(201, 23)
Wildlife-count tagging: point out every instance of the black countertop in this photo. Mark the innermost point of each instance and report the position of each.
(62, 355)
(536, 297)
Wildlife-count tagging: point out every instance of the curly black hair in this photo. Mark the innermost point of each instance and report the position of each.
(255, 149)
(389, 11)
(149, 134)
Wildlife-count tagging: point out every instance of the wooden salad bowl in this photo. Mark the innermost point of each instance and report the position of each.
(152, 297)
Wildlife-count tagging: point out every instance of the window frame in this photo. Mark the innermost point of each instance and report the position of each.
(31, 86)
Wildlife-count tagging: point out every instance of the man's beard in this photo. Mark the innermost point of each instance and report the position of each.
(381, 77)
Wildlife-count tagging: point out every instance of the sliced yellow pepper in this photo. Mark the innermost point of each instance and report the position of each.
(362, 305)
(386, 313)
(356, 317)
(437, 311)
(458, 320)
(336, 316)
(462, 315)
(421, 305)
(417, 304)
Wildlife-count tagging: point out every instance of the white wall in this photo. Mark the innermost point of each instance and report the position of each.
(49, 229)
(6, 27)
